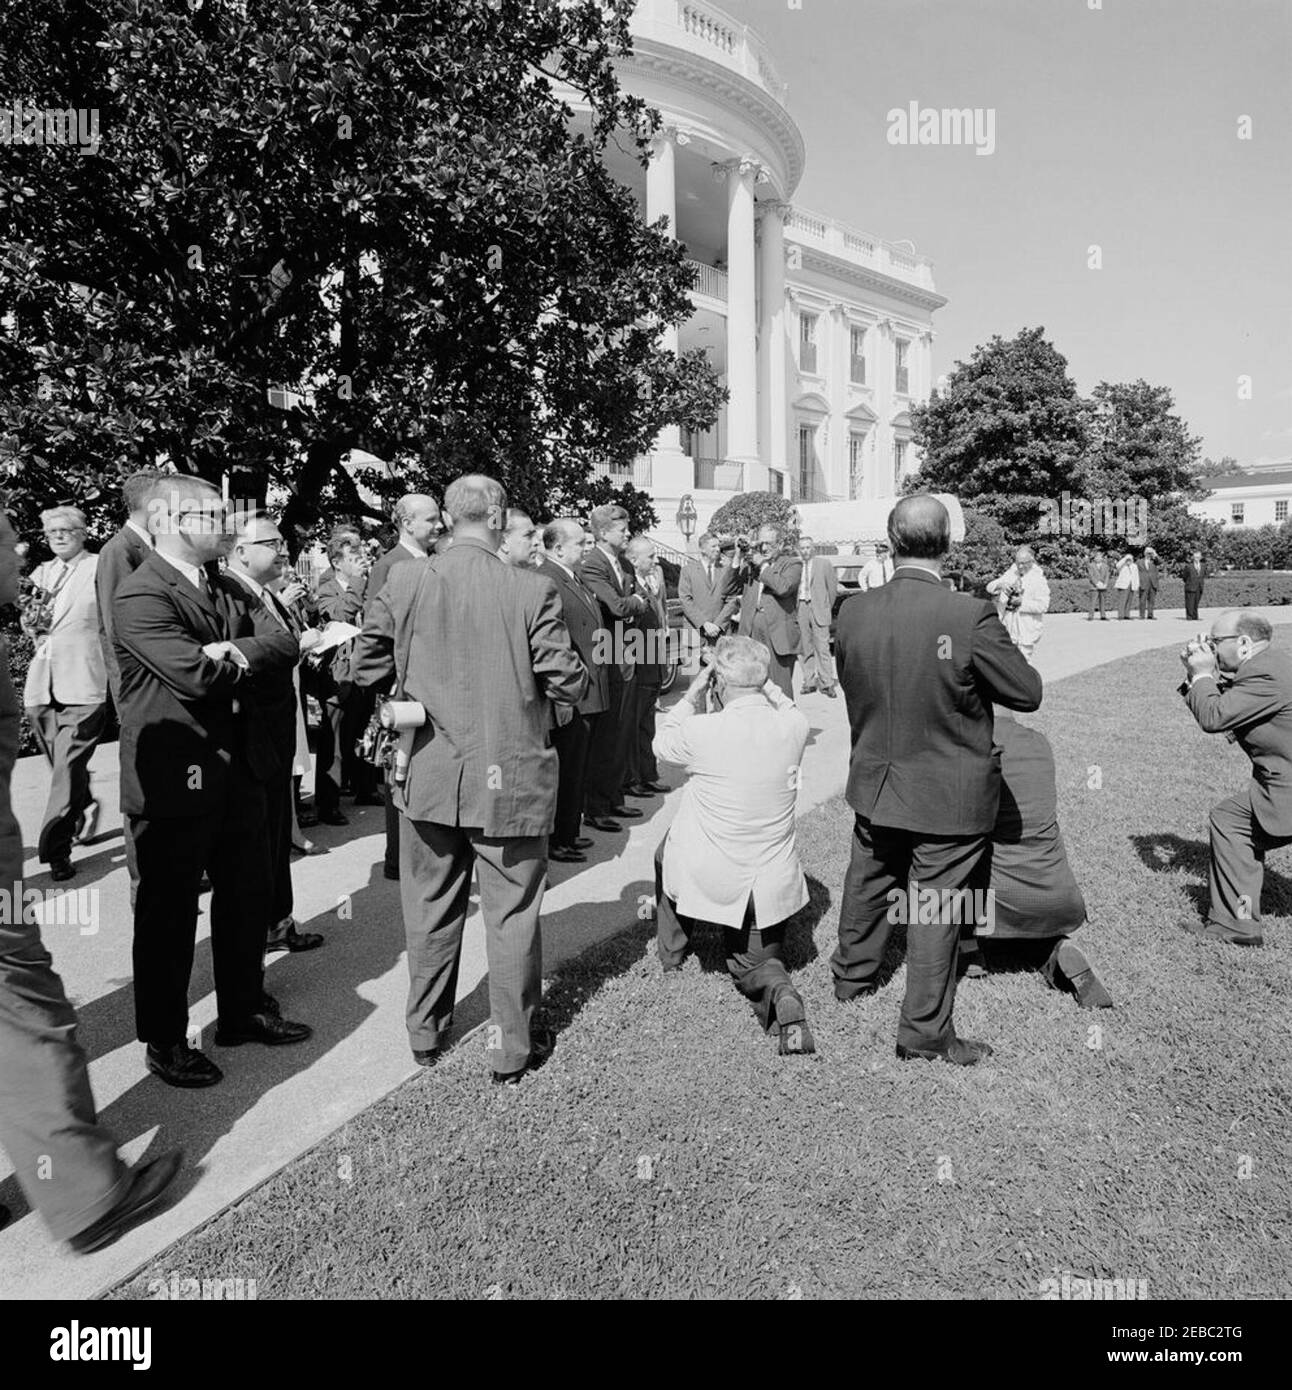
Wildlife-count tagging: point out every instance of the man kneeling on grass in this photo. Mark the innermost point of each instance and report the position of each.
(729, 857)
(1034, 905)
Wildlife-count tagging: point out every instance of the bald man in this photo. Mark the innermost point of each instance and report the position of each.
(1239, 685)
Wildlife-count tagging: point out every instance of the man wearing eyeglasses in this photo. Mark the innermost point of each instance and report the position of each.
(67, 683)
(1237, 684)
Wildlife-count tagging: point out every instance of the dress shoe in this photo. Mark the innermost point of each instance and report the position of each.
(582, 842)
(89, 820)
(639, 792)
(653, 788)
(1213, 931)
(625, 812)
(961, 1052)
(566, 854)
(290, 939)
(181, 1065)
(846, 994)
(604, 822)
(796, 1040)
(62, 869)
(262, 1028)
(1068, 961)
(390, 871)
(541, 1044)
(333, 817)
(306, 818)
(148, 1184)
(427, 1057)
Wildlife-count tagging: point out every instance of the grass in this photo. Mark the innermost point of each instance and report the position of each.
(664, 1150)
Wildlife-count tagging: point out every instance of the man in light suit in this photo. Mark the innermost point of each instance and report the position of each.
(602, 570)
(195, 757)
(769, 603)
(67, 685)
(920, 667)
(563, 547)
(417, 519)
(1024, 597)
(480, 791)
(1239, 685)
(65, 1161)
(706, 591)
(729, 856)
(1195, 575)
(818, 588)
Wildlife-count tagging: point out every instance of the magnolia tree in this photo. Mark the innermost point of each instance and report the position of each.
(311, 227)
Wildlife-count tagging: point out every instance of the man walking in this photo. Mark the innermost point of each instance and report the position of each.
(818, 588)
(480, 791)
(920, 667)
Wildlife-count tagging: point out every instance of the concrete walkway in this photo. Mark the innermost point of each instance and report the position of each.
(274, 1104)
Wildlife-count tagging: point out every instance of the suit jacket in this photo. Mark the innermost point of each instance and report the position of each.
(1256, 707)
(1148, 576)
(920, 668)
(704, 602)
(336, 604)
(380, 571)
(615, 591)
(274, 689)
(122, 555)
(582, 616)
(186, 718)
(1194, 576)
(1098, 574)
(823, 586)
(652, 629)
(776, 597)
(67, 663)
(483, 758)
(734, 830)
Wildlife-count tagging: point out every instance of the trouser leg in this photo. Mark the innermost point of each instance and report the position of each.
(436, 864)
(327, 763)
(571, 742)
(807, 649)
(824, 661)
(239, 868)
(756, 965)
(672, 932)
(511, 897)
(1237, 873)
(391, 860)
(605, 755)
(877, 866)
(278, 838)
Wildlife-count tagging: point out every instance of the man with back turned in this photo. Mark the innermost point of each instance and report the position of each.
(920, 667)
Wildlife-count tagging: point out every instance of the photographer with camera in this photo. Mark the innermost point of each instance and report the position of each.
(770, 575)
(1237, 684)
(1023, 598)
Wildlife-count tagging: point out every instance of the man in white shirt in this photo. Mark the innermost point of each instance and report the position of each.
(67, 684)
(730, 857)
(880, 569)
(1024, 599)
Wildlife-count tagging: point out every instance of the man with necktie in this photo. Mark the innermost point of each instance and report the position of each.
(879, 571)
(769, 603)
(1195, 575)
(706, 591)
(195, 760)
(818, 589)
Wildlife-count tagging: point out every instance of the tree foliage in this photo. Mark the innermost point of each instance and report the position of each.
(392, 212)
(747, 511)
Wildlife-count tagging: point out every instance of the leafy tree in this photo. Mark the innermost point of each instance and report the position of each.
(984, 552)
(1217, 468)
(1139, 446)
(389, 216)
(747, 511)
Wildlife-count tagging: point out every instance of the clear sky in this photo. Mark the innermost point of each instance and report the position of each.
(1115, 127)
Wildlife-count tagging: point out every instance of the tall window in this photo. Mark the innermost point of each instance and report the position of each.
(857, 357)
(807, 342)
(903, 374)
(899, 460)
(805, 460)
(1236, 513)
(856, 442)
(1280, 511)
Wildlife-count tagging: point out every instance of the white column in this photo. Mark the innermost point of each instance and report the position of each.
(742, 350)
(672, 473)
(772, 387)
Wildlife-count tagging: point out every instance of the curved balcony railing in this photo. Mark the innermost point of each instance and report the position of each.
(710, 32)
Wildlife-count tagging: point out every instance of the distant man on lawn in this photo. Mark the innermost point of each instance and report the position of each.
(1239, 685)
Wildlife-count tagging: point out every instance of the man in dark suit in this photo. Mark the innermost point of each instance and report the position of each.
(345, 707)
(417, 519)
(818, 588)
(1149, 577)
(480, 791)
(769, 603)
(65, 1161)
(122, 555)
(563, 543)
(641, 773)
(920, 667)
(1241, 686)
(256, 562)
(1195, 575)
(1099, 576)
(705, 591)
(602, 571)
(195, 755)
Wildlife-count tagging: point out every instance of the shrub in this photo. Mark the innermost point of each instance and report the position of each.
(747, 511)
(20, 654)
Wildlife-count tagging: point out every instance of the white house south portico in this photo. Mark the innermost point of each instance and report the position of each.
(821, 333)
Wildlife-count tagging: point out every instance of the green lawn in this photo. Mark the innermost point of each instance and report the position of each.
(665, 1150)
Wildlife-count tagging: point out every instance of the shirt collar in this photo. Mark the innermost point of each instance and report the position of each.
(139, 531)
(412, 549)
(552, 560)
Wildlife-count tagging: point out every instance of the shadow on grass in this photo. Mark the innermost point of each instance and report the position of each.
(1166, 852)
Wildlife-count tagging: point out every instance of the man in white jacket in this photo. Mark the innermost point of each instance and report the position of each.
(1024, 597)
(729, 857)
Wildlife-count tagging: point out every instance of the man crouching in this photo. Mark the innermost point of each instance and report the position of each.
(729, 857)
